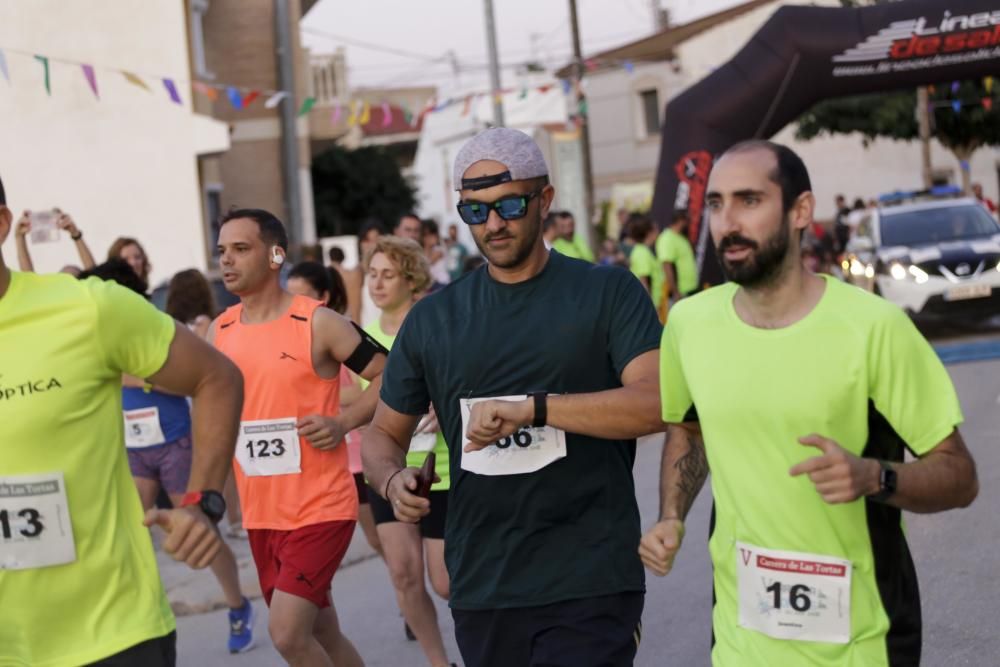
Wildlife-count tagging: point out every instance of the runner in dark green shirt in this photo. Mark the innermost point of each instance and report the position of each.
(542, 524)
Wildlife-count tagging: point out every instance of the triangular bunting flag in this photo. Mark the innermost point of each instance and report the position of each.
(386, 114)
(544, 89)
(467, 106)
(307, 105)
(988, 103)
(366, 114)
(335, 115)
(987, 82)
(45, 65)
(524, 93)
(954, 86)
(566, 86)
(956, 105)
(172, 91)
(250, 97)
(88, 73)
(3, 67)
(355, 112)
(135, 81)
(208, 91)
(235, 98)
(629, 67)
(275, 100)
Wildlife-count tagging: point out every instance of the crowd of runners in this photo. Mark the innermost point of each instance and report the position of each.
(313, 404)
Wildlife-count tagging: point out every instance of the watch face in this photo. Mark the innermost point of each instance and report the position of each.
(213, 504)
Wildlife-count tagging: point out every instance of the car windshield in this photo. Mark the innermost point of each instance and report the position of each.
(936, 225)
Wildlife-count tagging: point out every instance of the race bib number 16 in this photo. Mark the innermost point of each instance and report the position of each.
(35, 528)
(791, 595)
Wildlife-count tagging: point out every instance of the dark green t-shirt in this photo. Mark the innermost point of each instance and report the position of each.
(571, 529)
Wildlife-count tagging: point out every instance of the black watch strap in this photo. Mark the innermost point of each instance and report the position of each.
(541, 408)
(886, 483)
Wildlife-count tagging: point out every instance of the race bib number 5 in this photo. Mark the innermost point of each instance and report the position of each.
(269, 447)
(526, 450)
(791, 595)
(35, 528)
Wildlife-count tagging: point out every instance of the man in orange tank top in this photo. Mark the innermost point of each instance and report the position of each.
(298, 495)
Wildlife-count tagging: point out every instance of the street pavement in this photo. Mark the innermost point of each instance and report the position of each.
(955, 554)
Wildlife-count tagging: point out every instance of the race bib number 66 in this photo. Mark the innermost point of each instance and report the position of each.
(526, 450)
(791, 595)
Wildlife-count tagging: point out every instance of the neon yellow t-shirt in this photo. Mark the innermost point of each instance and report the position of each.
(674, 248)
(575, 248)
(644, 265)
(65, 346)
(416, 459)
(855, 370)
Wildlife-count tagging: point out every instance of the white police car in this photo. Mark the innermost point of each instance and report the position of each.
(932, 258)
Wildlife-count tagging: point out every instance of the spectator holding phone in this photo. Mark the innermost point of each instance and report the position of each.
(56, 220)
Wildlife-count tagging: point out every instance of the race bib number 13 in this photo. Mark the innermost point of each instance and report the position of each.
(269, 447)
(35, 528)
(791, 595)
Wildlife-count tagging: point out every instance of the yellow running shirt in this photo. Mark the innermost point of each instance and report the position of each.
(78, 578)
(798, 581)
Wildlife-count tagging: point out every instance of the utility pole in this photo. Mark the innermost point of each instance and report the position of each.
(289, 136)
(581, 100)
(660, 15)
(924, 123)
(491, 41)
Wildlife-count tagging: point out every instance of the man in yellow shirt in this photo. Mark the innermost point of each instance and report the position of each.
(77, 571)
(566, 242)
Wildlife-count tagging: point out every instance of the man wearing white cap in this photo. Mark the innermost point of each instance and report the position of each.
(542, 370)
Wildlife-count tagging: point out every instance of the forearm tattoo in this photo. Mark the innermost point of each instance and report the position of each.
(693, 469)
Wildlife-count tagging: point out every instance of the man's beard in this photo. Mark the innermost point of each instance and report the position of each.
(763, 265)
(525, 244)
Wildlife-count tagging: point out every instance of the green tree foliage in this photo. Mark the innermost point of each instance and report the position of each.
(351, 186)
(894, 116)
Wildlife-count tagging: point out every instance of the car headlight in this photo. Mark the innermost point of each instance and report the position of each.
(902, 272)
(919, 274)
(857, 268)
(998, 266)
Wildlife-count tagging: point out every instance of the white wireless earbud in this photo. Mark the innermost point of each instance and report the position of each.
(276, 256)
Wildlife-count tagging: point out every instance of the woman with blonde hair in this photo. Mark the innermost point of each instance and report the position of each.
(398, 273)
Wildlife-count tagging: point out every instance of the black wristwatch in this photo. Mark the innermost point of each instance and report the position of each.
(541, 408)
(79, 235)
(886, 483)
(210, 502)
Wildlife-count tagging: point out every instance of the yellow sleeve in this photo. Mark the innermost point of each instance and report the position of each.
(675, 396)
(134, 336)
(909, 385)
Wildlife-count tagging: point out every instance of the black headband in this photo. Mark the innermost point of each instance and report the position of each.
(484, 182)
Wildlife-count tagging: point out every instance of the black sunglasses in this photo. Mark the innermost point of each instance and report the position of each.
(511, 207)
